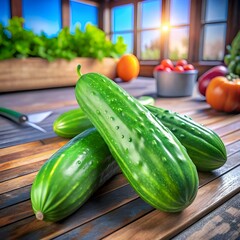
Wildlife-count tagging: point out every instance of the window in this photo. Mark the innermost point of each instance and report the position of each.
(122, 24)
(179, 29)
(4, 12)
(149, 30)
(214, 29)
(81, 14)
(42, 16)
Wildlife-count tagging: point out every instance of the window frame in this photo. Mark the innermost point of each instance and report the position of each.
(110, 33)
(195, 33)
(146, 69)
(205, 23)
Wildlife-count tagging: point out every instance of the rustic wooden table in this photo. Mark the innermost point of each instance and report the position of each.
(114, 211)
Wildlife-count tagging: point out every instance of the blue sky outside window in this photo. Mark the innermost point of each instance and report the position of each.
(81, 14)
(5, 11)
(151, 14)
(43, 16)
(122, 19)
(179, 12)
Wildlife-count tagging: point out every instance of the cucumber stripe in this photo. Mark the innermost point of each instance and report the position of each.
(136, 139)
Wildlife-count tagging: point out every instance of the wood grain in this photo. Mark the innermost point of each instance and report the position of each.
(115, 211)
(37, 73)
(167, 225)
(222, 223)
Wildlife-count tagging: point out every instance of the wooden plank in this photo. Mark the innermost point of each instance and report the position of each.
(228, 120)
(222, 223)
(22, 210)
(233, 147)
(211, 120)
(65, 13)
(16, 8)
(15, 196)
(21, 171)
(231, 138)
(159, 225)
(29, 152)
(229, 128)
(17, 74)
(27, 160)
(205, 178)
(16, 183)
(120, 181)
(21, 147)
(232, 162)
(93, 208)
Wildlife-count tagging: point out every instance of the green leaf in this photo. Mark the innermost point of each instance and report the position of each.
(15, 41)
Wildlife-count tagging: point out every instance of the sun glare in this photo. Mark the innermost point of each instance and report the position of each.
(165, 28)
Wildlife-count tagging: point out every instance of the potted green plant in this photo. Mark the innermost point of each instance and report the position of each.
(31, 61)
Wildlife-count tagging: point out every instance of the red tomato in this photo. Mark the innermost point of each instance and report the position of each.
(181, 62)
(167, 69)
(167, 63)
(159, 68)
(188, 67)
(223, 94)
(178, 69)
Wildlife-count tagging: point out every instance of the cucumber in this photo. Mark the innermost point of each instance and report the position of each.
(203, 145)
(153, 160)
(71, 176)
(75, 121)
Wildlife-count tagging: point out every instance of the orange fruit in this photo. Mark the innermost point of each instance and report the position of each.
(128, 67)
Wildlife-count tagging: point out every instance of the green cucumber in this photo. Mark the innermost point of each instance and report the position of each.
(203, 145)
(75, 121)
(71, 176)
(153, 160)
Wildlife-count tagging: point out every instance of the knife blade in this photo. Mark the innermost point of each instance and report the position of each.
(23, 119)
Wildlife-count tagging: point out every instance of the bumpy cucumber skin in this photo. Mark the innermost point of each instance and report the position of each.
(203, 145)
(153, 160)
(71, 176)
(71, 123)
(75, 121)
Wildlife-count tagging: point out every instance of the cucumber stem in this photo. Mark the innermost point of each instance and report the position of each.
(79, 70)
(39, 216)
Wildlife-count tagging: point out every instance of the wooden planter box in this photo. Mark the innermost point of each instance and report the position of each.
(37, 73)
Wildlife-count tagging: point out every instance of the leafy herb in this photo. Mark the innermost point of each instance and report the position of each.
(17, 42)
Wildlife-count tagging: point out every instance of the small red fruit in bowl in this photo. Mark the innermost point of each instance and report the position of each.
(167, 69)
(159, 68)
(178, 69)
(181, 62)
(167, 63)
(188, 67)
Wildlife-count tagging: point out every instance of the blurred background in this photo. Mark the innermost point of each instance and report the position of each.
(195, 30)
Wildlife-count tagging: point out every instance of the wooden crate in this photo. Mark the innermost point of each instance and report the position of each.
(37, 73)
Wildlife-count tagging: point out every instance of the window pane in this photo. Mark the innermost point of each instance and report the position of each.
(128, 39)
(151, 14)
(178, 43)
(42, 15)
(4, 12)
(81, 14)
(216, 10)
(122, 18)
(150, 45)
(214, 41)
(179, 12)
